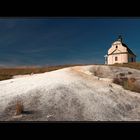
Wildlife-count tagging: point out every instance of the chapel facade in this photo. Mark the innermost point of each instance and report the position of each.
(119, 53)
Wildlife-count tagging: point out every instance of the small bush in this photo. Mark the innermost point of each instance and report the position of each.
(117, 81)
(98, 73)
(19, 108)
(129, 72)
(122, 74)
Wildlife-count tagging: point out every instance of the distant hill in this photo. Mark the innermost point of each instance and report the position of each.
(9, 72)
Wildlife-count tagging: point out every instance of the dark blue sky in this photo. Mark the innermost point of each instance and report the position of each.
(54, 41)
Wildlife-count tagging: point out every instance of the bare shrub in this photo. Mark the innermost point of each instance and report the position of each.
(19, 108)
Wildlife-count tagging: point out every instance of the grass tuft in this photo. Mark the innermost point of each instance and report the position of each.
(19, 108)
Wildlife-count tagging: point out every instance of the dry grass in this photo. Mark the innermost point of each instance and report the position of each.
(8, 73)
(134, 65)
(19, 108)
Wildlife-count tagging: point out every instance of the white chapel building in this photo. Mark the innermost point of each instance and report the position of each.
(119, 53)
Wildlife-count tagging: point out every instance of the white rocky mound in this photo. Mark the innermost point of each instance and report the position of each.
(70, 94)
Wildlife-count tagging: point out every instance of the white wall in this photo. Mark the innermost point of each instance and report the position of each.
(114, 52)
(121, 58)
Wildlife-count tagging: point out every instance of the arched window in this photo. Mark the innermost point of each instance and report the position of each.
(116, 47)
(116, 58)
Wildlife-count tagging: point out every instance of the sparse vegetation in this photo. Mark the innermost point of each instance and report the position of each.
(120, 81)
(127, 83)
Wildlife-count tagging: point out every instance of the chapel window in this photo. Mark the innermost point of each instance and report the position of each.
(116, 58)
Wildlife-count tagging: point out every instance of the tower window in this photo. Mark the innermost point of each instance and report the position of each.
(116, 58)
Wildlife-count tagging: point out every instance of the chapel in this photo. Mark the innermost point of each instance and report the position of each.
(119, 53)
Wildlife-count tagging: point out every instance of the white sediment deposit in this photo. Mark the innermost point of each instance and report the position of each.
(71, 94)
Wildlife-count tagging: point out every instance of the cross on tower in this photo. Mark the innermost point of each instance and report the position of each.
(120, 38)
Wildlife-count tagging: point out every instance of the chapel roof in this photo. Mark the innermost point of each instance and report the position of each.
(120, 41)
(129, 51)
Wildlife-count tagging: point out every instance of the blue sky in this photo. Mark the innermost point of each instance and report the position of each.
(56, 41)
